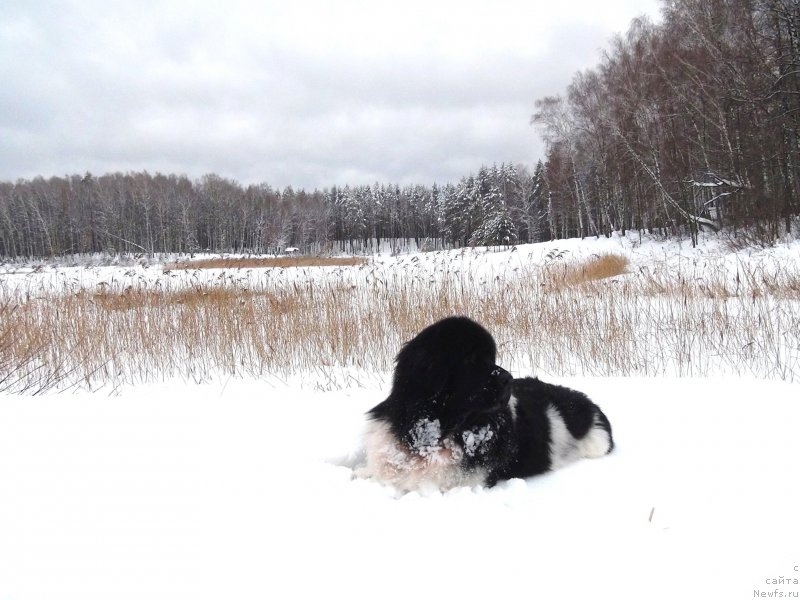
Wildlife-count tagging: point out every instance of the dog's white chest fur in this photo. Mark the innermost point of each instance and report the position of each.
(431, 462)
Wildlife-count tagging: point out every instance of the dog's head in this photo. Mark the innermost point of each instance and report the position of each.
(449, 370)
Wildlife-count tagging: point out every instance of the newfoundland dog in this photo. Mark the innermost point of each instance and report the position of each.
(455, 418)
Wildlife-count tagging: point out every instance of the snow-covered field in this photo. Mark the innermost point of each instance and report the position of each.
(36, 277)
(243, 488)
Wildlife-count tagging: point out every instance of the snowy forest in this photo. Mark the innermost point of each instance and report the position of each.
(139, 212)
(692, 122)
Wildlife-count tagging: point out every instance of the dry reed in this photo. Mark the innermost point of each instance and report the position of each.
(603, 266)
(566, 318)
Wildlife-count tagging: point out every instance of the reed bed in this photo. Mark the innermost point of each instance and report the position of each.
(597, 317)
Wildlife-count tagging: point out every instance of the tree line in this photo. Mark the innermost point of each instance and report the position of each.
(694, 122)
(140, 212)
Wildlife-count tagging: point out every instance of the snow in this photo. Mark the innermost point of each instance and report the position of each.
(643, 251)
(475, 441)
(239, 490)
(425, 436)
(244, 488)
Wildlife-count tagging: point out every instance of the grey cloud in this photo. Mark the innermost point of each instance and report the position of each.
(117, 92)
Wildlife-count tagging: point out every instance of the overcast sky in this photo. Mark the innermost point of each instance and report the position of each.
(307, 93)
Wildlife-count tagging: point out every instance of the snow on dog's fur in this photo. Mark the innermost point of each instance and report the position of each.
(455, 418)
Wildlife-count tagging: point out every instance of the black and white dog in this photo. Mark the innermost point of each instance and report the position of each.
(455, 418)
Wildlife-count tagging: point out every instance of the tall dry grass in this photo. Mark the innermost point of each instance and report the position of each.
(597, 317)
(595, 268)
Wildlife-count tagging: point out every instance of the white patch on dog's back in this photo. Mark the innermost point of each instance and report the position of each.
(431, 463)
(564, 448)
(595, 443)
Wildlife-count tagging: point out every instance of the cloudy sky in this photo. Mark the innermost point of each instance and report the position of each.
(307, 93)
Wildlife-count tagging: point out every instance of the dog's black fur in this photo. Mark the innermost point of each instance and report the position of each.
(448, 391)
